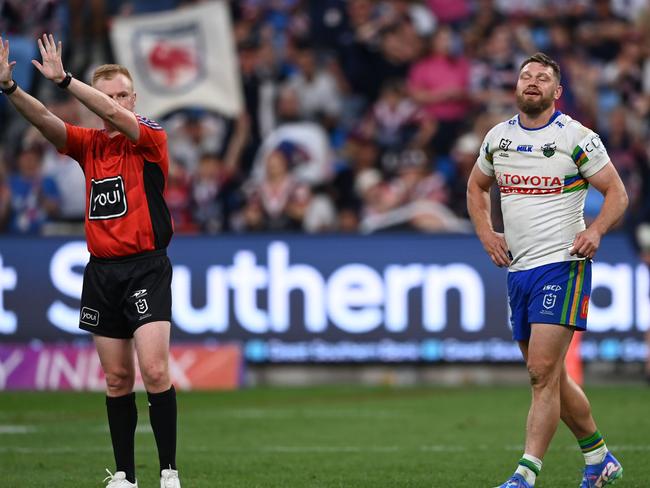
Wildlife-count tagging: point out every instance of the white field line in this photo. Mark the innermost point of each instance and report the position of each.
(17, 429)
(284, 449)
(145, 428)
(274, 414)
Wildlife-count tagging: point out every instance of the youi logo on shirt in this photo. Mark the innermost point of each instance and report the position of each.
(107, 198)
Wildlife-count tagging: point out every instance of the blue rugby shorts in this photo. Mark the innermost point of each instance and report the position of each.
(556, 293)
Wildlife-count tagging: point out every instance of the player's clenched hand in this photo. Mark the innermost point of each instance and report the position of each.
(52, 67)
(496, 247)
(585, 244)
(6, 67)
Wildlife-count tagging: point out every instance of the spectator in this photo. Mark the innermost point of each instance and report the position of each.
(306, 143)
(35, 198)
(5, 195)
(192, 134)
(397, 122)
(178, 198)
(440, 83)
(414, 200)
(88, 34)
(355, 46)
(495, 72)
(373, 194)
(257, 88)
(463, 155)
(214, 194)
(454, 12)
(601, 32)
(319, 213)
(275, 202)
(64, 170)
(360, 153)
(624, 75)
(399, 47)
(316, 88)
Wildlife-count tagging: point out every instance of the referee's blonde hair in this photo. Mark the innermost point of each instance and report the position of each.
(109, 71)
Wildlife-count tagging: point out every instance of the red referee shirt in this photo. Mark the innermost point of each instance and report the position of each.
(125, 210)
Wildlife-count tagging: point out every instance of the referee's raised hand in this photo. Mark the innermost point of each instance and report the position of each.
(6, 66)
(52, 65)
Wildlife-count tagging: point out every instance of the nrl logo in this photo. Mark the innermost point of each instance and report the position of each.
(549, 300)
(548, 149)
(141, 305)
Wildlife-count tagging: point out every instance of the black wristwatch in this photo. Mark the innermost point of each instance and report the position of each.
(11, 89)
(63, 84)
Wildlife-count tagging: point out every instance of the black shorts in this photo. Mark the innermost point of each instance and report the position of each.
(120, 295)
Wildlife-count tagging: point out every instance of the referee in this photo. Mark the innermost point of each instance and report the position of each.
(126, 298)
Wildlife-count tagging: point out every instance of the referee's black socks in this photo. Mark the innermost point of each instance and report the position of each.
(162, 414)
(122, 420)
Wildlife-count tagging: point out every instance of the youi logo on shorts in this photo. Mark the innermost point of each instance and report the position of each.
(89, 316)
(107, 198)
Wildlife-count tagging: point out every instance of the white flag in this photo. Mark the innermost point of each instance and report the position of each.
(180, 58)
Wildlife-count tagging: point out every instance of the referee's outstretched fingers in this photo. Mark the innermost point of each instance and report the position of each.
(6, 67)
(51, 66)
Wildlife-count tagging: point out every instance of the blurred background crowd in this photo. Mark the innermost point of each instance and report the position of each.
(360, 115)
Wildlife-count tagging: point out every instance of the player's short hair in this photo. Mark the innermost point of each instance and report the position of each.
(109, 71)
(544, 60)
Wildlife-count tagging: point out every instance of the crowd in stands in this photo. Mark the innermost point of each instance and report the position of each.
(360, 115)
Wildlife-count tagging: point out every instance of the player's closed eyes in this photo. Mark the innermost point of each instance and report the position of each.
(526, 76)
(120, 96)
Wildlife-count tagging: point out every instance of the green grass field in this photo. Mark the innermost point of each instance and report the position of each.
(318, 437)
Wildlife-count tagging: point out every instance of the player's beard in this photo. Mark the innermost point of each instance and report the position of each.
(533, 108)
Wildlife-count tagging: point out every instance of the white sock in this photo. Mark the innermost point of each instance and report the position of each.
(597, 456)
(529, 467)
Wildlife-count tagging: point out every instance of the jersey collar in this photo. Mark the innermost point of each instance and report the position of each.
(550, 121)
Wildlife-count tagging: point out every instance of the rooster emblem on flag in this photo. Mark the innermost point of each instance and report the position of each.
(170, 60)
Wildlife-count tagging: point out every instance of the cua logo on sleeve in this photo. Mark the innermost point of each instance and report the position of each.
(107, 198)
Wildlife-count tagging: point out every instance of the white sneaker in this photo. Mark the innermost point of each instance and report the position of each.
(118, 480)
(169, 479)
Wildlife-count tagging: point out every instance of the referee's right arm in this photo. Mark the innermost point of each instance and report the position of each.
(29, 107)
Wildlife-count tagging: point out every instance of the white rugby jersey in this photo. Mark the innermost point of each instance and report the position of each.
(541, 176)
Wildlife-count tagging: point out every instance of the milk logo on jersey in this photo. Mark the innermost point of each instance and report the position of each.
(89, 316)
(549, 300)
(525, 148)
(548, 149)
(504, 144)
(141, 305)
(107, 198)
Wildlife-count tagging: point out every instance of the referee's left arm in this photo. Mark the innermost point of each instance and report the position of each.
(108, 109)
(123, 119)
